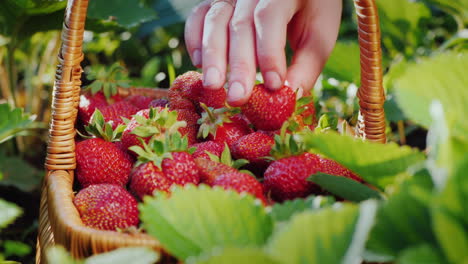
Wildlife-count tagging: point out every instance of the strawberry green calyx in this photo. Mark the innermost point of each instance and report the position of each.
(286, 145)
(226, 158)
(159, 123)
(159, 149)
(99, 128)
(212, 118)
(107, 80)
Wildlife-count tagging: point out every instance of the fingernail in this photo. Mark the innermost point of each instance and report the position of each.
(211, 78)
(299, 92)
(236, 91)
(273, 80)
(196, 56)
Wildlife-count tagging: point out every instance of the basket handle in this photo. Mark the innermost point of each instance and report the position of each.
(371, 124)
(66, 92)
(61, 145)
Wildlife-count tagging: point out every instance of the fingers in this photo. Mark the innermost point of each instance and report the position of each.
(194, 32)
(313, 46)
(242, 53)
(271, 20)
(215, 44)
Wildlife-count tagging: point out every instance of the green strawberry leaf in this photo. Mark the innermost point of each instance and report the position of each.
(234, 256)
(378, 164)
(403, 220)
(423, 253)
(284, 211)
(324, 236)
(9, 213)
(442, 78)
(197, 219)
(134, 255)
(328, 121)
(19, 173)
(402, 25)
(450, 221)
(13, 122)
(345, 188)
(15, 248)
(344, 51)
(127, 14)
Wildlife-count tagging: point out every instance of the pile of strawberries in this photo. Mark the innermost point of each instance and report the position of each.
(137, 146)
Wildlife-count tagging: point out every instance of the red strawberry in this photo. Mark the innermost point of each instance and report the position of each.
(241, 183)
(286, 178)
(254, 147)
(89, 103)
(99, 160)
(146, 178)
(213, 147)
(209, 170)
(158, 103)
(220, 126)
(188, 85)
(140, 101)
(213, 98)
(181, 168)
(182, 103)
(115, 112)
(162, 164)
(106, 207)
(268, 110)
(332, 167)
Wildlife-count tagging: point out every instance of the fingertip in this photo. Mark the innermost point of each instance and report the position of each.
(273, 80)
(237, 94)
(212, 78)
(196, 58)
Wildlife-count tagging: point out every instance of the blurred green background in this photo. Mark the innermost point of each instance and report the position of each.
(146, 37)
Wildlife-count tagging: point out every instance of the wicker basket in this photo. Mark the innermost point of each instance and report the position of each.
(60, 222)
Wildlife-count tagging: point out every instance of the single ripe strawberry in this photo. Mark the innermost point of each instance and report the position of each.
(254, 147)
(116, 111)
(241, 183)
(182, 103)
(268, 110)
(147, 178)
(187, 92)
(99, 160)
(161, 102)
(221, 126)
(213, 98)
(332, 167)
(286, 178)
(140, 101)
(162, 163)
(89, 103)
(106, 207)
(212, 147)
(209, 170)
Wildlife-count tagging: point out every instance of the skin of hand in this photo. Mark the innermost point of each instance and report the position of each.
(253, 33)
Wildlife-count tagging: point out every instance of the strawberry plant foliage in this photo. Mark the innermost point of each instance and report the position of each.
(9, 211)
(323, 236)
(378, 164)
(193, 220)
(344, 187)
(284, 211)
(14, 122)
(442, 78)
(234, 256)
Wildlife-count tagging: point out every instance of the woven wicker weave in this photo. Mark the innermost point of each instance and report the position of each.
(59, 221)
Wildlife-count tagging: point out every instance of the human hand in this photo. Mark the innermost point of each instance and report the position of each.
(250, 33)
